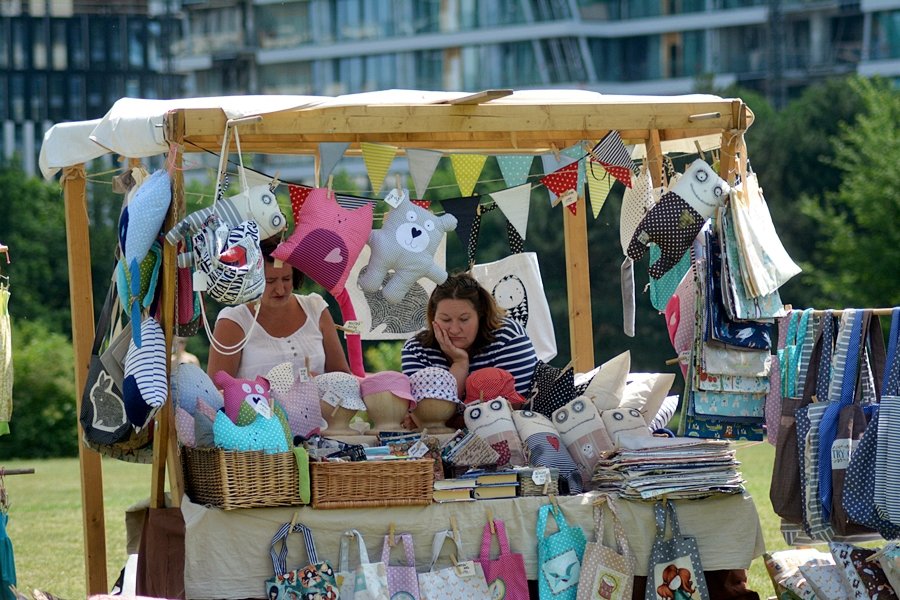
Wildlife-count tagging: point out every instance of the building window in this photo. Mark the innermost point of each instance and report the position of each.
(886, 35)
(77, 55)
(36, 96)
(136, 43)
(283, 25)
(293, 78)
(4, 43)
(98, 28)
(38, 44)
(426, 16)
(56, 99)
(17, 97)
(19, 53)
(116, 43)
(58, 37)
(429, 70)
(76, 97)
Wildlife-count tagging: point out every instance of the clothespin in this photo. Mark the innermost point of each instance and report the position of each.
(294, 520)
(555, 149)
(454, 528)
(554, 504)
(490, 517)
(565, 368)
(481, 395)
(5, 250)
(275, 181)
(700, 150)
(398, 183)
(336, 407)
(391, 541)
(330, 182)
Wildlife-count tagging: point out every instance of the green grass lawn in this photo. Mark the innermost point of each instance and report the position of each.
(46, 528)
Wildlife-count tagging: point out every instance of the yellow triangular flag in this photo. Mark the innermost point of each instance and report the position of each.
(378, 158)
(598, 188)
(467, 168)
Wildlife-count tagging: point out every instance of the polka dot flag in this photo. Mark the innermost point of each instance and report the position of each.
(467, 168)
(562, 180)
(515, 168)
(298, 195)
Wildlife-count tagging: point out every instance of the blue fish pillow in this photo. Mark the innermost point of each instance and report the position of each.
(145, 386)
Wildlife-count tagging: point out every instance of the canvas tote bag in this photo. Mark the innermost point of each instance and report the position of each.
(607, 572)
(463, 579)
(674, 569)
(369, 580)
(402, 579)
(316, 579)
(505, 574)
(559, 556)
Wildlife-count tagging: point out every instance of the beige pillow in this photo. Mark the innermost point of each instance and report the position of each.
(608, 383)
(646, 392)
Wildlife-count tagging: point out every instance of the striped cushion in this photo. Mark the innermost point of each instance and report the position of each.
(145, 386)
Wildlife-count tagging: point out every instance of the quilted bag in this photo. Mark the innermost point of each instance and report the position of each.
(674, 569)
(369, 580)
(403, 582)
(607, 572)
(315, 580)
(463, 580)
(559, 556)
(505, 574)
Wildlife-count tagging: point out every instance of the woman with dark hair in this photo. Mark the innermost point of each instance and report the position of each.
(467, 331)
(289, 328)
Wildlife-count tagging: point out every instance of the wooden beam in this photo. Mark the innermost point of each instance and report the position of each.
(81, 302)
(578, 287)
(479, 98)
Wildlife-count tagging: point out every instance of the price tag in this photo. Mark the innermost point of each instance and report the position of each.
(396, 196)
(277, 263)
(352, 327)
(263, 408)
(200, 281)
(417, 450)
(540, 475)
(465, 569)
(302, 375)
(569, 197)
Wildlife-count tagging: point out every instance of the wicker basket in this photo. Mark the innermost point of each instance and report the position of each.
(231, 479)
(367, 484)
(527, 486)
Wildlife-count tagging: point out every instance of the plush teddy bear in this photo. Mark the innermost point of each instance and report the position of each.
(256, 204)
(406, 244)
(678, 217)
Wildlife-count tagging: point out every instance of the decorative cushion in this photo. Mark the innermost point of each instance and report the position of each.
(646, 392)
(237, 391)
(433, 382)
(145, 386)
(544, 448)
(257, 204)
(607, 386)
(492, 382)
(138, 292)
(143, 217)
(625, 421)
(582, 431)
(191, 386)
(300, 399)
(492, 422)
(327, 239)
(262, 433)
(551, 388)
(406, 244)
(340, 389)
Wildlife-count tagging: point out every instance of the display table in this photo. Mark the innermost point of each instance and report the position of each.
(227, 552)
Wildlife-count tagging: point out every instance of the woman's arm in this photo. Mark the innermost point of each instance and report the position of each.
(227, 333)
(335, 359)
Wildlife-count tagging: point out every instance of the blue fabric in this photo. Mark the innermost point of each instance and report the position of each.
(559, 556)
(7, 561)
(823, 376)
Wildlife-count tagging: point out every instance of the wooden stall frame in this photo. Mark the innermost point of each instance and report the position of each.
(471, 123)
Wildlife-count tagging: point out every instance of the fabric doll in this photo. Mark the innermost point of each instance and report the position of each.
(246, 401)
(406, 244)
(678, 217)
(492, 422)
(623, 422)
(145, 386)
(582, 431)
(256, 204)
(544, 448)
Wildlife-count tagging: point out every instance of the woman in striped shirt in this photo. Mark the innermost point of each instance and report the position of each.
(467, 331)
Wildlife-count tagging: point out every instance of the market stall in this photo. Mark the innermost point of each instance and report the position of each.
(491, 122)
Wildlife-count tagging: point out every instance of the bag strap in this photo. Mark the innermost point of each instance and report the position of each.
(622, 546)
(344, 552)
(890, 385)
(279, 557)
(486, 538)
(407, 541)
(438, 542)
(557, 513)
(665, 511)
(105, 319)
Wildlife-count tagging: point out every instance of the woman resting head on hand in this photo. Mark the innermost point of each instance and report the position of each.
(290, 327)
(466, 331)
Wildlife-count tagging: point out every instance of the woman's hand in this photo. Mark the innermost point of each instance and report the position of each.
(453, 353)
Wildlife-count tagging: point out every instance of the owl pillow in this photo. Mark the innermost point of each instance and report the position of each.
(405, 244)
(246, 399)
(581, 430)
(492, 422)
(300, 399)
(621, 422)
(327, 239)
(544, 448)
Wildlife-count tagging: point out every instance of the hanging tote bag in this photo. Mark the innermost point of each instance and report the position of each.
(674, 569)
(369, 580)
(607, 572)
(403, 581)
(505, 574)
(464, 579)
(316, 580)
(559, 556)
(887, 465)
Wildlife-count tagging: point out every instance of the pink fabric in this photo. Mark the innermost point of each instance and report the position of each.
(237, 391)
(505, 574)
(184, 427)
(401, 578)
(387, 381)
(490, 383)
(354, 340)
(301, 404)
(773, 398)
(327, 239)
(680, 316)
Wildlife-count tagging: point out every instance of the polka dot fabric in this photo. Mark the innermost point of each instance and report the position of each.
(680, 550)
(551, 388)
(559, 556)
(672, 225)
(262, 434)
(433, 382)
(636, 203)
(467, 168)
(340, 389)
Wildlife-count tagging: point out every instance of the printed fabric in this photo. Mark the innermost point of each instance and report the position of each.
(559, 556)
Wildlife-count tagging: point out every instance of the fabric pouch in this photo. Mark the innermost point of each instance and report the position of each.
(607, 572)
(505, 574)
(369, 580)
(463, 579)
(402, 579)
(316, 579)
(559, 556)
(827, 581)
(674, 569)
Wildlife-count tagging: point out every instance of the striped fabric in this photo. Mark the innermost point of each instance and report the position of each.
(511, 350)
(887, 472)
(279, 559)
(809, 340)
(354, 202)
(611, 151)
(146, 385)
(814, 522)
(230, 284)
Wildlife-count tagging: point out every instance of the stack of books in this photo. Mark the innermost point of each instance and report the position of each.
(477, 485)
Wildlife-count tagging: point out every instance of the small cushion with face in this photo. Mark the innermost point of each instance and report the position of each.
(582, 431)
(492, 421)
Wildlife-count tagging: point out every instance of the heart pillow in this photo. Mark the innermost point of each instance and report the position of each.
(544, 448)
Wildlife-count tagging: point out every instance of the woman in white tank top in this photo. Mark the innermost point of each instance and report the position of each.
(290, 328)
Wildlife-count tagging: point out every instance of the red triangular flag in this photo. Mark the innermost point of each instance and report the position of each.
(621, 173)
(426, 204)
(572, 208)
(562, 179)
(298, 195)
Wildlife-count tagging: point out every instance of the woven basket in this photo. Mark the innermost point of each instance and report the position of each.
(527, 486)
(367, 484)
(231, 479)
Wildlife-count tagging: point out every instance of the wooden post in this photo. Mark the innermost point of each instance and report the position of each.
(82, 306)
(578, 287)
(655, 158)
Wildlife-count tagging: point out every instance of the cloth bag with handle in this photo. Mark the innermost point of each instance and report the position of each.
(505, 574)
(559, 556)
(368, 581)
(316, 579)
(607, 572)
(674, 569)
(403, 582)
(464, 579)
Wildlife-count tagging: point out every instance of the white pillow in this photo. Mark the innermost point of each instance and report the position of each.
(646, 392)
(608, 383)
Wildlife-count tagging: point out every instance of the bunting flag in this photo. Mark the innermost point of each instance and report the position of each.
(255, 178)
(599, 182)
(298, 195)
(515, 168)
(378, 158)
(354, 202)
(329, 155)
(422, 164)
(426, 204)
(551, 163)
(467, 168)
(515, 203)
(573, 205)
(464, 211)
(615, 158)
(577, 152)
(562, 179)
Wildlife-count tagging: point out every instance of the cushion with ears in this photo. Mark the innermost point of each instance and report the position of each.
(492, 421)
(544, 448)
(583, 432)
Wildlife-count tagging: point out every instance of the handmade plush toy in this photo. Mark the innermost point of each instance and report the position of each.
(262, 433)
(255, 204)
(248, 399)
(299, 398)
(141, 220)
(544, 448)
(148, 274)
(492, 422)
(327, 239)
(406, 244)
(192, 387)
(625, 422)
(582, 431)
(678, 217)
(145, 386)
